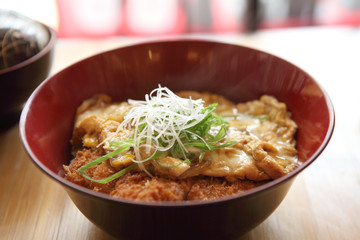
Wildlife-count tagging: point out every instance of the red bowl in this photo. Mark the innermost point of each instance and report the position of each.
(237, 72)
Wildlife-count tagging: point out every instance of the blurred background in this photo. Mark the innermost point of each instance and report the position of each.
(320, 36)
(105, 18)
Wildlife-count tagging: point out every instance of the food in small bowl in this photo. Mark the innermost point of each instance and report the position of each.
(25, 59)
(58, 119)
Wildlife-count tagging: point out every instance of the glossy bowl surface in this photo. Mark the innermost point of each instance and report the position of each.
(18, 81)
(237, 72)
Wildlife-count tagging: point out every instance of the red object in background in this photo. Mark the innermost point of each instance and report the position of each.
(155, 17)
(97, 18)
(338, 12)
(228, 16)
(89, 18)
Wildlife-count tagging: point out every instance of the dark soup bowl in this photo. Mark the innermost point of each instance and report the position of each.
(236, 72)
(26, 49)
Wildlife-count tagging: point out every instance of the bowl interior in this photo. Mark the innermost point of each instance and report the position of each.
(236, 72)
(21, 38)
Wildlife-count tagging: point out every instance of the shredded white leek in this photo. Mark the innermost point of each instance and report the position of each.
(159, 120)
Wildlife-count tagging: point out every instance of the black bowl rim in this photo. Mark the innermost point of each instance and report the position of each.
(90, 193)
(49, 45)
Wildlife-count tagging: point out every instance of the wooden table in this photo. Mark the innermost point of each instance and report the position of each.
(324, 201)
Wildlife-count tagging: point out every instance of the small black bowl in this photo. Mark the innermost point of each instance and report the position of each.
(25, 60)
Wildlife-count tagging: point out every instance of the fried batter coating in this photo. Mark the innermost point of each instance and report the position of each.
(139, 186)
(213, 188)
(265, 149)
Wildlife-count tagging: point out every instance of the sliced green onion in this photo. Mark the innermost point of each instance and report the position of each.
(124, 145)
(201, 156)
(110, 178)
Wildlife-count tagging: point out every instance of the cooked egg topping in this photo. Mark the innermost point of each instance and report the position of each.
(189, 134)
